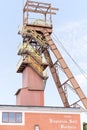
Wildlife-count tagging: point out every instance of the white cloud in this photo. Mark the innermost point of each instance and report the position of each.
(73, 36)
(74, 32)
(67, 27)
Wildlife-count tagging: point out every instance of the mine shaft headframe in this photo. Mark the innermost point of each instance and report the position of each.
(39, 8)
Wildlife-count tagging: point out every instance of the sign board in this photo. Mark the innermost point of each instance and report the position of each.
(51, 121)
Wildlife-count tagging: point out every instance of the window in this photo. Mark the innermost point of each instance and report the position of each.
(11, 117)
(37, 127)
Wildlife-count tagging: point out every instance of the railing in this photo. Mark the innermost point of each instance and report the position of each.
(32, 52)
(19, 63)
(35, 65)
(38, 37)
(41, 22)
(28, 48)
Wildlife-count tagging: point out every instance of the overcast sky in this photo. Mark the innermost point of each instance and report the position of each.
(70, 27)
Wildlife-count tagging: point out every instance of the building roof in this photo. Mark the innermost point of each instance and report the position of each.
(40, 109)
